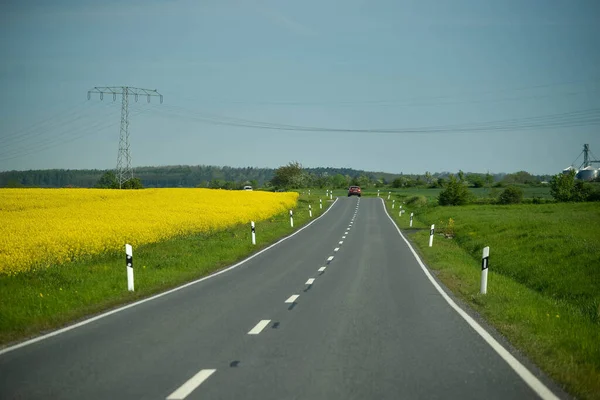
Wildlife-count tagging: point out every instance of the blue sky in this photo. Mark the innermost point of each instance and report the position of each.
(349, 64)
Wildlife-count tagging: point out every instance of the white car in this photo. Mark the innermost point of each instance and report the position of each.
(247, 187)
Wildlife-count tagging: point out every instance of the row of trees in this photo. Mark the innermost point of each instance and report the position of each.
(563, 188)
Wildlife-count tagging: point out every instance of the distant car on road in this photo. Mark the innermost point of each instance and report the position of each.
(354, 191)
(247, 187)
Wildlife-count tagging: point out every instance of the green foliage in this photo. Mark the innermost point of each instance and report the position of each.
(477, 180)
(416, 201)
(13, 183)
(290, 176)
(564, 187)
(511, 195)
(456, 193)
(134, 183)
(107, 181)
(522, 177)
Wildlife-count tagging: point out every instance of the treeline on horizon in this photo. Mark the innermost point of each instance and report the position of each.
(207, 176)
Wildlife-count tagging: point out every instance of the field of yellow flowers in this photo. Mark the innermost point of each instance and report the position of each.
(45, 227)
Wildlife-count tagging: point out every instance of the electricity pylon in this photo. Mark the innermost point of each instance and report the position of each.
(124, 171)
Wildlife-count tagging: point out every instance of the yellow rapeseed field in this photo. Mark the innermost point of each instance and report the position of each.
(43, 227)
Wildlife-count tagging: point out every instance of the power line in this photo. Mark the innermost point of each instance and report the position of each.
(568, 119)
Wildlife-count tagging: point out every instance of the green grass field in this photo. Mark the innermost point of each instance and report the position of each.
(544, 278)
(529, 192)
(37, 301)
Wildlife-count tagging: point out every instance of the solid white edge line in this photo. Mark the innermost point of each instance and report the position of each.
(310, 281)
(321, 269)
(292, 298)
(259, 327)
(534, 383)
(188, 387)
(137, 303)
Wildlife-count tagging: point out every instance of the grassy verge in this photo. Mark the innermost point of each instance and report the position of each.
(544, 278)
(41, 300)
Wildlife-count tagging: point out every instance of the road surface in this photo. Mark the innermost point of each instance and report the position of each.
(341, 310)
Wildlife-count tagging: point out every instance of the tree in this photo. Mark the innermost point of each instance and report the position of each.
(107, 181)
(339, 181)
(511, 195)
(290, 176)
(133, 183)
(477, 180)
(428, 177)
(489, 179)
(456, 193)
(520, 177)
(562, 186)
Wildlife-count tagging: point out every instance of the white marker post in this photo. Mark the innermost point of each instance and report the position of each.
(393, 204)
(310, 210)
(309, 192)
(411, 217)
(129, 263)
(377, 192)
(253, 229)
(485, 259)
(321, 204)
(389, 194)
(331, 195)
(431, 232)
(291, 218)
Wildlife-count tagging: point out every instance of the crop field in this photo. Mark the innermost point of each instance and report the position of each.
(44, 227)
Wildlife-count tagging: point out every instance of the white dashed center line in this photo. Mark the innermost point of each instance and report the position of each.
(336, 249)
(322, 269)
(259, 327)
(191, 385)
(343, 237)
(330, 258)
(292, 298)
(341, 242)
(310, 281)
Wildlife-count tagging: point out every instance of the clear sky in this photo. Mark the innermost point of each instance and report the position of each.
(514, 84)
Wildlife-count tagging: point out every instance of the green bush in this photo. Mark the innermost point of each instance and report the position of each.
(416, 201)
(511, 195)
(456, 193)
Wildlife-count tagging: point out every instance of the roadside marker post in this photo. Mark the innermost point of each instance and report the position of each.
(393, 204)
(377, 192)
(431, 232)
(129, 263)
(291, 218)
(485, 259)
(331, 195)
(389, 194)
(253, 229)
(310, 210)
(321, 204)
(411, 218)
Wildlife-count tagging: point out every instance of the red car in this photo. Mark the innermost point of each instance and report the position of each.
(354, 190)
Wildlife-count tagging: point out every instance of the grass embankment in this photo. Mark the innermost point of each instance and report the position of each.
(36, 301)
(544, 278)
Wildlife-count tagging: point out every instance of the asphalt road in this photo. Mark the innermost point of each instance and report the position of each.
(369, 326)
